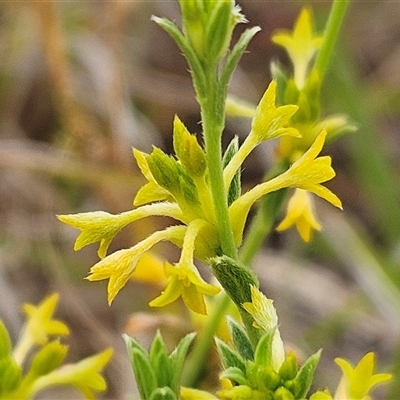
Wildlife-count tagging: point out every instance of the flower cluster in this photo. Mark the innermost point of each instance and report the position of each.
(45, 367)
(179, 187)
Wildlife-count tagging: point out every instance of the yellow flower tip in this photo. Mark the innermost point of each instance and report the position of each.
(301, 44)
(186, 282)
(270, 121)
(361, 379)
(300, 213)
(118, 268)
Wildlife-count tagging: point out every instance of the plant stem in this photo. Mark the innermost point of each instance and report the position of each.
(195, 365)
(336, 17)
(213, 115)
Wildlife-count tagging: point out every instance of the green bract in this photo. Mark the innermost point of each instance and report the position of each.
(157, 372)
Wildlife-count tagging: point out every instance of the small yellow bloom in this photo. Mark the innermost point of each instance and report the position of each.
(119, 266)
(185, 281)
(269, 122)
(264, 314)
(308, 172)
(359, 381)
(300, 212)
(301, 44)
(39, 326)
(101, 226)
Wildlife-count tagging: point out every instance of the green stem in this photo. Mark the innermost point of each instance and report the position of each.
(203, 343)
(213, 116)
(336, 17)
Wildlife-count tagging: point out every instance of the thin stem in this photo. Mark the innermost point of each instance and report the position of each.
(336, 17)
(195, 365)
(213, 113)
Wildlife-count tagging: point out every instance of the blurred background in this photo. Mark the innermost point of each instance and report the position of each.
(81, 83)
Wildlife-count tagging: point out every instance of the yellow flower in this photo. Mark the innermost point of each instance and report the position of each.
(269, 122)
(119, 266)
(100, 226)
(357, 382)
(307, 173)
(184, 278)
(39, 326)
(301, 44)
(264, 314)
(300, 212)
(185, 281)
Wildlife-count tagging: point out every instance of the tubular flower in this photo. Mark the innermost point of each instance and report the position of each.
(39, 327)
(119, 266)
(301, 44)
(185, 281)
(300, 212)
(307, 173)
(358, 381)
(184, 278)
(269, 122)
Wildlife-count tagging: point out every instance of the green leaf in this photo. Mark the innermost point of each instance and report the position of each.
(177, 358)
(160, 361)
(306, 374)
(219, 30)
(164, 393)
(229, 357)
(236, 53)
(236, 375)
(240, 339)
(10, 375)
(144, 374)
(5, 341)
(185, 46)
(48, 358)
(188, 150)
(263, 352)
(235, 186)
(164, 169)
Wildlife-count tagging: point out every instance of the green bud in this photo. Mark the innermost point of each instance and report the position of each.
(283, 394)
(223, 19)
(193, 20)
(164, 169)
(288, 369)
(188, 150)
(48, 358)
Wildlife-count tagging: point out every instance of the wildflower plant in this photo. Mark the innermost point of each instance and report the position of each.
(36, 361)
(199, 188)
